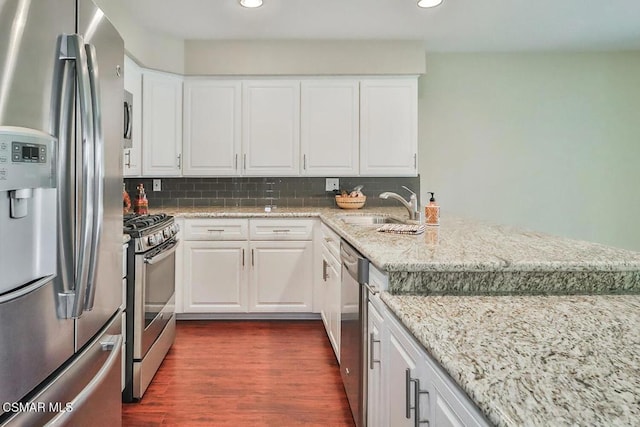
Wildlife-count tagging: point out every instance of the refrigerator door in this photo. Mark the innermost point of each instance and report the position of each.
(27, 59)
(105, 55)
(34, 342)
(85, 393)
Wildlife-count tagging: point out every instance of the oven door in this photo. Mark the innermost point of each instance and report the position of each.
(154, 295)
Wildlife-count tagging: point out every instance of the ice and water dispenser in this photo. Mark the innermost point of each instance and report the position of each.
(27, 207)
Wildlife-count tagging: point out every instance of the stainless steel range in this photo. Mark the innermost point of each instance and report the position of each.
(150, 298)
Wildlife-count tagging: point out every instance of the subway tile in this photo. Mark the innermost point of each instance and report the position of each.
(209, 194)
(252, 191)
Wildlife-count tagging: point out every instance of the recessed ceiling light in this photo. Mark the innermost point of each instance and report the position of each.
(428, 3)
(252, 3)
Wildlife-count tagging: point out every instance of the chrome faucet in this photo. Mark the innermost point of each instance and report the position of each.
(411, 205)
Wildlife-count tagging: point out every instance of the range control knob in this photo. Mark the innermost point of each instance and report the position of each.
(166, 233)
(151, 240)
(159, 237)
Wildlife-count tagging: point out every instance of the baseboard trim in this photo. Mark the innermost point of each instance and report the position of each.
(248, 316)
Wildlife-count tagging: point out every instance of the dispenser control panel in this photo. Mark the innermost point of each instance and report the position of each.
(25, 159)
(25, 152)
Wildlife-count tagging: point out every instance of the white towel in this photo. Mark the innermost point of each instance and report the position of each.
(402, 228)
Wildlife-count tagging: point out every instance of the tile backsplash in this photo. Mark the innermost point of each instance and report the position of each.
(252, 191)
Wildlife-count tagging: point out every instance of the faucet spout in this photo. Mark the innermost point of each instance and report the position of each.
(411, 205)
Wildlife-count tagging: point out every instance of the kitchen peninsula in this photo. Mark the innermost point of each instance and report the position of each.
(524, 323)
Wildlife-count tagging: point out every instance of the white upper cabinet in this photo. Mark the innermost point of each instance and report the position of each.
(133, 84)
(212, 127)
(389, 127)
(161, 124)
(329, 127)
(271, 127)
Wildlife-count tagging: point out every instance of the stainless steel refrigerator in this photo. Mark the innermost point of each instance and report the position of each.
(61, 97)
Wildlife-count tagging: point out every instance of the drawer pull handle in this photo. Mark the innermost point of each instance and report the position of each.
(215, 230)
(372, 341)
(417, 392)
(281, 231)
(324, 270)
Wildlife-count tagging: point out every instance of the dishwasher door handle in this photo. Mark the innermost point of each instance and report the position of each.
(371, 288)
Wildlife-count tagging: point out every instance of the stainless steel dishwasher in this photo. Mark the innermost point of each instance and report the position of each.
(353, 330)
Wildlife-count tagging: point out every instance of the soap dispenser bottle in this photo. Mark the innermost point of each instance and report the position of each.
(432, 211)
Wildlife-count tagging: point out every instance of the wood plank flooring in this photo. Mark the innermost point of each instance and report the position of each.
(245, 373)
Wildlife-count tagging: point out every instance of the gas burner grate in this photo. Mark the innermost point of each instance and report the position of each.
(136, 223)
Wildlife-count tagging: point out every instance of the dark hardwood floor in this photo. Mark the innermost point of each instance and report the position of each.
(245, 373)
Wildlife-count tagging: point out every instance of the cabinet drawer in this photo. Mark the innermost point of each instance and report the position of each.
(330, 240)
(281, 229)
(216, 229)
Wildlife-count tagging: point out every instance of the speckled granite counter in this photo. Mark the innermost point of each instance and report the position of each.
(470, 257)
(535, 360)
(524, 360)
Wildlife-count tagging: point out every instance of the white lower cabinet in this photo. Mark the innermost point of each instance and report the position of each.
(330, 309)
(405, 380)
(377, 400)
(281, 276)
(330, 285)
(406, 386)
(226, 271)
(215, 276)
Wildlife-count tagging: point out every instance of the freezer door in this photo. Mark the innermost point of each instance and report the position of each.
(104, 295)
(85, 393)
(34, 342)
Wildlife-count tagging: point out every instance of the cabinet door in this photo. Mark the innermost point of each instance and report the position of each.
(281, 276)
(331, 299)
(329, 127)
(161, 124)
(333, 279)
(389, 127)
(403, 365)
(451, 407)
(271, 127)
(326, 296)
(377, 403)
(215, 278)
(133, 84)
(211, 127)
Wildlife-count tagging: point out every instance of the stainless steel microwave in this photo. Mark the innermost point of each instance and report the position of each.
(128, 119)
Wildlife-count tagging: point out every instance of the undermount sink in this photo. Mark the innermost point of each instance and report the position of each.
(369, 219)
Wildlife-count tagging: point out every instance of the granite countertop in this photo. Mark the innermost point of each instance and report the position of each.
(535, 360)
(471, 257)
(523, 359)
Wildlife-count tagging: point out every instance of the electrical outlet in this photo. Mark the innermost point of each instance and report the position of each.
(157, 185)
(332, 184)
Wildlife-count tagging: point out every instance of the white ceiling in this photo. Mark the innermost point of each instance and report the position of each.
(456, 25)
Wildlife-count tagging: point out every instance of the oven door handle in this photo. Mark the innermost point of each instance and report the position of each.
(168, 251)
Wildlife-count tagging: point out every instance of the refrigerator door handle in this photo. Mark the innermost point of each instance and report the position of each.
(112, 344)
(98, 174)
(62, 126)
(73, 300)
(87, 192)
